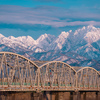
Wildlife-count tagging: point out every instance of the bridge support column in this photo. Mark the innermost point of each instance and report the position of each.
(36, 96)
(97, 95)
(76, 96)
(83, 95)
(53, 96)
(66, 95)
(48, 95)
(63, 96)
(2, 96)
(60, 96)
(71, 95)
(91, 96)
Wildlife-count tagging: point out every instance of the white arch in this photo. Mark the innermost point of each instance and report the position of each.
(20, 56)
(58, 62)
(86, 68)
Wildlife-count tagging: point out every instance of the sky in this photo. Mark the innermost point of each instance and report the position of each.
(36, 17)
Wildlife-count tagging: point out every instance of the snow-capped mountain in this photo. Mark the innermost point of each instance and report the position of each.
(59, 41)
(25, 43)
(26, 40)
(89, 33)
(80, 47)
(45, 40)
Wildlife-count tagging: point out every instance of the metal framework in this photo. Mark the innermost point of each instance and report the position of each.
(88, 79)
(57, 75)
(18, 73)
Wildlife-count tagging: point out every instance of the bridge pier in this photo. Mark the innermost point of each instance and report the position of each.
(97, 95)
(36, 96)
(83, 95)
(15, 95)
(48, 95)
(91, 96)
(60, 96)
(63, 96)
(66, 95)
(76, 95)
(57, 95)
(2, 97)
(70, 96)
(54, 95)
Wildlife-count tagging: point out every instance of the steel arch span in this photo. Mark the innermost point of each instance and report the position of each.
(88, 78)
(17, 72)
(57, 75)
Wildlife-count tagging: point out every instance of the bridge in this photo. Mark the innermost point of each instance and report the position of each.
(17, 73)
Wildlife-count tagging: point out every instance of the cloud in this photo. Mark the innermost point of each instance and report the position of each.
(80, 23)
(46, 15)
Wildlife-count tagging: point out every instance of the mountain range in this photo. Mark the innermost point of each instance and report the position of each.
(77, 48)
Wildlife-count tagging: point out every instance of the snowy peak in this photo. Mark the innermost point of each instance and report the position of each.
(45, 40)
(90, 27)
(89, 33)
(67, 47)
(21, 38)
(2, 36)
(45, 37)
(63, 35)
(84, 30)
(92, 35)
(22, 42)
(11, 37)
(42, 37)
(25, 38)
(59, 41)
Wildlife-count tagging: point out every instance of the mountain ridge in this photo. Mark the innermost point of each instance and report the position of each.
(83, 45)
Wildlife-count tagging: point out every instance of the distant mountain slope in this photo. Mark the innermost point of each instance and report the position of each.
(78, 48)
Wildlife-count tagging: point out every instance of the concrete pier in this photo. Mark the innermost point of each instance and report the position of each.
(48, 95)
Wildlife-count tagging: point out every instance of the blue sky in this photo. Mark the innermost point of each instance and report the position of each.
(36, 17)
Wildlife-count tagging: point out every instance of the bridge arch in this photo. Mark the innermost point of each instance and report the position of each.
(88, 78)
(57, 74)
(17, 70)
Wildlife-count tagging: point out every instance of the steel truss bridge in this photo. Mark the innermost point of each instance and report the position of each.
(18, 73)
